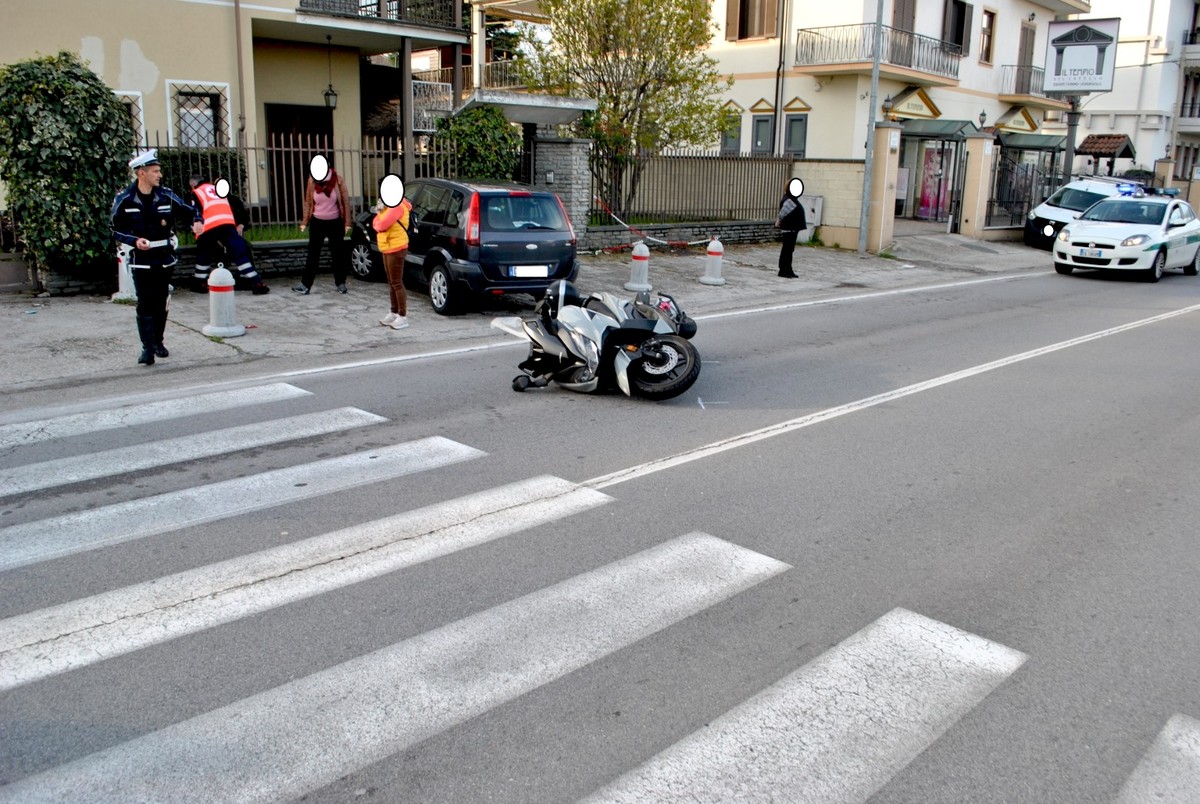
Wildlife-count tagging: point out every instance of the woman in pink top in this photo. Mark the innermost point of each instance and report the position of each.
(326, 217)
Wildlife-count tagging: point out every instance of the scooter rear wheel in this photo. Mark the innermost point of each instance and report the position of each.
(520, 382)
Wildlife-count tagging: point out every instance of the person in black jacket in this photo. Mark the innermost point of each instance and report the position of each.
(791, 222)
(144, 217)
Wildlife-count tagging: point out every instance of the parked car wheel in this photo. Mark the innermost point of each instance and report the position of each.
(365, 264)
(1193, 267)
(442, 294)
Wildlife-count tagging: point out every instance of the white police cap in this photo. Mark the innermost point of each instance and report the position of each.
(144, 159)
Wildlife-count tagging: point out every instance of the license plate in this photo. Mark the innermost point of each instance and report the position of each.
(1090, 252)
(529, 270)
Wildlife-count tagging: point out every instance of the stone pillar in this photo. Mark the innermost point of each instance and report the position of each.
(1164, 173)
(881, 214)
(565, 160)
(981, 152)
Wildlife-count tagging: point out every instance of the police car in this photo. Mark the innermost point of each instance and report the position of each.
(1136, 230)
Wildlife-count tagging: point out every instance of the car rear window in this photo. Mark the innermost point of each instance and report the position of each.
(1070, 198)
(512, 213)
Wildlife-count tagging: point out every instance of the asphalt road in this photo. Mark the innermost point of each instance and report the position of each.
(922, 546)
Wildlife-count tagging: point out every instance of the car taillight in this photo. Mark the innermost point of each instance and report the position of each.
(566, 218)
(473, 221)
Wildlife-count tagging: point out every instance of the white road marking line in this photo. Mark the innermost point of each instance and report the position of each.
(61, 638)
(60, 472)
(838, 728)
(76, 424)
(306, 734)
(783, 428)
(1170, 771)
(59, 536)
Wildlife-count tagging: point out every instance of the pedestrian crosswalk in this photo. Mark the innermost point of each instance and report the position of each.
(837, 727)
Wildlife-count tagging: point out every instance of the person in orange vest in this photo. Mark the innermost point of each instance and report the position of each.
(218, 212)
(391, 224)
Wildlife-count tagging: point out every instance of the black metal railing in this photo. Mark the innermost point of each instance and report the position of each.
(1190, 109)
(1020, 79)
(1191, 37)
(431, 13)
(680, 188)
(846, 44)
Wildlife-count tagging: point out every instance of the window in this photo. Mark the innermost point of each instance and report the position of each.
(200, 116)
(762, 132)
(137, 119)
(795, 134)
(750, 19)
(956, 26)
(731, 138)
(987, 29)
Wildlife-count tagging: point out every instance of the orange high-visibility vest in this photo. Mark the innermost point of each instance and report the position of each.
(215, 210)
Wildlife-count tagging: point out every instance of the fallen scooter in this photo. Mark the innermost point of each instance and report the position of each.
(603, 342)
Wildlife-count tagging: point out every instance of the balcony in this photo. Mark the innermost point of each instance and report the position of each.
(496, 75)
(1022, 85)
(904, 56)
(425, 13)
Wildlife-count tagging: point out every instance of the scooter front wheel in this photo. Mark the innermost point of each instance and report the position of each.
(670, 367)
(520, 382)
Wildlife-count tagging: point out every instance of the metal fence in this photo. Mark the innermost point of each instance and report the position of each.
(436, 13)
(271, 177)
(1019, 79)
(698, 186)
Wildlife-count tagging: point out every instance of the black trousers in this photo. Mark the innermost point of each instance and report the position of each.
(152, 285)
(318, 232)
(787, 245)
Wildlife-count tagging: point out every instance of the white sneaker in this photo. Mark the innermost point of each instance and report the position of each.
(400, 323)
(388, 319)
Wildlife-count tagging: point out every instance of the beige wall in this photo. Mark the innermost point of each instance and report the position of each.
(840, 183)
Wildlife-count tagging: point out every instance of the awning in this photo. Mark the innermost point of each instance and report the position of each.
(1033, 142)
(1108, 146)
(938, 129)
(518, 107)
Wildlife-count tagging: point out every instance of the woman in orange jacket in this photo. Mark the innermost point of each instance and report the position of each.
(391, 224)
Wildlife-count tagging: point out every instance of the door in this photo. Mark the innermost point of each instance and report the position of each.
(900, 46)
(1025, 61)
(295, 134)
(762, 132)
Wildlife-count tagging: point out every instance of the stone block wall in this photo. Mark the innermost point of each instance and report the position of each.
(567, 159)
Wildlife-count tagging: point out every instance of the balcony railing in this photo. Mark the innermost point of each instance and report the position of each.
(496, 75)
(1018, 79)
(430, 13)
(852, 44)
(1190, 109)
(1191, 37)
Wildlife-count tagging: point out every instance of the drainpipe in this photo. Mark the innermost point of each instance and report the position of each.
(237, 27)
(781, 17)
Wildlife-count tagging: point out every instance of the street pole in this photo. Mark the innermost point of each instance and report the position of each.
(1072, 132)
(869, 162)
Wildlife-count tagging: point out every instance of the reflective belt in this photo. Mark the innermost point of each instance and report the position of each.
(159, 243)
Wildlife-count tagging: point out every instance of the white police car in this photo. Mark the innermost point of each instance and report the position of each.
(1132, 231)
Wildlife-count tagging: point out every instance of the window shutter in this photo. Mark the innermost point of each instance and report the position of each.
(731, 19)
(968, 11)
(948, 21)
(770, 18)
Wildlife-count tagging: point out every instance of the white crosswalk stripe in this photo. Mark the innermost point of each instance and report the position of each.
(45, 539)
(62, 471)
(1170, 771)
(20, 433)
(72, 635)
(305, 734)
(838, 728)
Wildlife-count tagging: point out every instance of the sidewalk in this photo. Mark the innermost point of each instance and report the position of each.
(66, 340)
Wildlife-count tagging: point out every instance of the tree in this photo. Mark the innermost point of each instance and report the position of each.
(485, 145)
(65, 141)
(643, 62)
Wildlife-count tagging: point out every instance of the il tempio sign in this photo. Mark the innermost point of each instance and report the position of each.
(1081, 56)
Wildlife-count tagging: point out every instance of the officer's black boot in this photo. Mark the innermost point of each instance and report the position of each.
(146, 333)
(160, 327)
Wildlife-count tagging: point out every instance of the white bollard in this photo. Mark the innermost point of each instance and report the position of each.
(125, 286)
(221, 306)
(639, 269)
(712, 264)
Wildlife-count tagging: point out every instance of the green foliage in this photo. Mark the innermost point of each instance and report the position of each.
(485, 145)
(65, 141)
(643, 63)
(180, 164)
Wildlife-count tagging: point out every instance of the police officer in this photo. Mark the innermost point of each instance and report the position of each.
(144, 217)
(224, 218)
